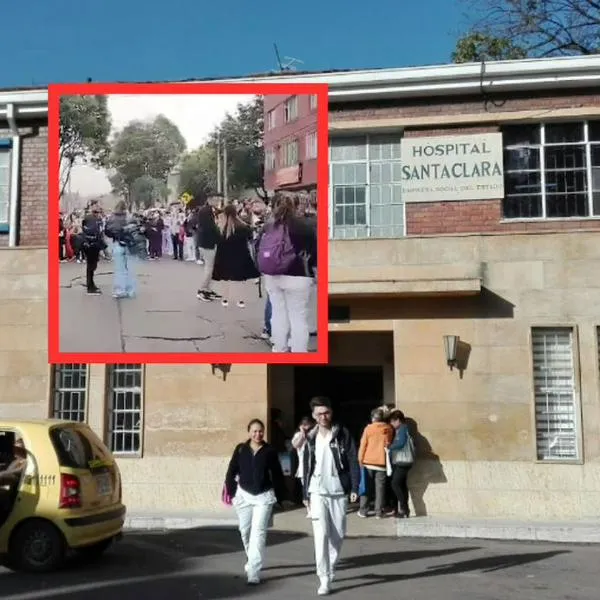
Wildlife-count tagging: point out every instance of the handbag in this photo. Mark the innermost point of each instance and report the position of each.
(405, 455)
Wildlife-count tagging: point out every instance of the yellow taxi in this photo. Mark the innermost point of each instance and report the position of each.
(60, 490)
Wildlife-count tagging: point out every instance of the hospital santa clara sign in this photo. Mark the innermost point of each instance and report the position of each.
(464, 167)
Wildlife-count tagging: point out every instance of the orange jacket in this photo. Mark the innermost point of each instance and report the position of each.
(375, 439)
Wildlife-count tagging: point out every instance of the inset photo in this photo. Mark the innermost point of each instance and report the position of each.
(192, 223)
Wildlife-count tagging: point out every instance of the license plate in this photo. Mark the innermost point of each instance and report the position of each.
(103, 485)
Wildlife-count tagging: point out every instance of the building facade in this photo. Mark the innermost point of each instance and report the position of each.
(460, 205)
(290, 142)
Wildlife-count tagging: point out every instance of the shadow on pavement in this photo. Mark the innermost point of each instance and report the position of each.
(486, 565)
(146, 564)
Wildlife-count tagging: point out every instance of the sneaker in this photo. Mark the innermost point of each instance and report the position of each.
(94, 292)
(199, 262)
(204, 296)
(246, 568)
(224, 302)
(325, 587)
(362, 514)
(213, 294)
(265, 335)
(241, 304)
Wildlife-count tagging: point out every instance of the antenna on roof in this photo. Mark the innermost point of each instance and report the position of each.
(291, 62)
(277, 56)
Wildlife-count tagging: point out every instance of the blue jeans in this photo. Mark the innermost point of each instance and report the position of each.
(268, 313)
(124, 282)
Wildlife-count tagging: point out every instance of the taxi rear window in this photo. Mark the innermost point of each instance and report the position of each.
(75, 450)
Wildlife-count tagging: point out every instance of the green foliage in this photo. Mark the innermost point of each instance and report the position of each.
(84, 130)
(198, 173)
(146, 191)
(477, 47)
(144, 151)
(508, 29)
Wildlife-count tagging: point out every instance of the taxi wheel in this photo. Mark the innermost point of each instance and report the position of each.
(37, 547)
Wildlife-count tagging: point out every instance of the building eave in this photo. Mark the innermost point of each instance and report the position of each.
(451, 79)
(28, 104)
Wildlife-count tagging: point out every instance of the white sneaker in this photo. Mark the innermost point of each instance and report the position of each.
(325, 587)
(246, 568)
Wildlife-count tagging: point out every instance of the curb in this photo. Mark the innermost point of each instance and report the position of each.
(162, 523)
(576, 533)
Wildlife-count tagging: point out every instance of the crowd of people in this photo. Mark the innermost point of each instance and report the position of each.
(331, 471)
(273, 244)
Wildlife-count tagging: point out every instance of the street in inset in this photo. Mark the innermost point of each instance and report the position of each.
(165, 316)
(207, 564)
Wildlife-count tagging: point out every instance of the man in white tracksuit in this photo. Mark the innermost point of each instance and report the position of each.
(331, 474)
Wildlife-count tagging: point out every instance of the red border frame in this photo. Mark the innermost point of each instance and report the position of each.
(54, 94)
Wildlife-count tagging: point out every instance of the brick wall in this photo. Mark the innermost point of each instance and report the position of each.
(34, 184)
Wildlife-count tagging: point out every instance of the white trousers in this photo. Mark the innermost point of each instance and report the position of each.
(328, 515)
(254, 520)
(189, 249)
(312, 308)
(290, 298)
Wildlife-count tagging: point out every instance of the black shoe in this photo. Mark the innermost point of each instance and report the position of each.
(94, 292)
(213, 294)
(204, 296)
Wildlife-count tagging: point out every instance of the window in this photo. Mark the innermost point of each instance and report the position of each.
(365, 197)
(271, 120)
(125, 397)
(555, 394)
(312, 102)
(69, 392)
(290, 109)
(311, 145)
(289, 154)
(270, 159)
(552, 170)
(5, 153)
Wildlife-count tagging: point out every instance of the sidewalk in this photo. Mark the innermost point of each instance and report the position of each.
(587, 532)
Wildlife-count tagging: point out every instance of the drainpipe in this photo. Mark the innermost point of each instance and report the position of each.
(15, 162)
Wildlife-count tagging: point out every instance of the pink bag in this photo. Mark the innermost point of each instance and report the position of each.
(225, 497)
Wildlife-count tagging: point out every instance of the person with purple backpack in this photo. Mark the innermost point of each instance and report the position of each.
(287, 258)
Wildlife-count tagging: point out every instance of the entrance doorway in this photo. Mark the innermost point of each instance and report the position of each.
(354, 392)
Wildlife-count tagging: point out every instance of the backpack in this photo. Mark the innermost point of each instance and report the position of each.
(276, 253)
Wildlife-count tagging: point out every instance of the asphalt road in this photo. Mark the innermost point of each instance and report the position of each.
(165, 316)
(208, 564)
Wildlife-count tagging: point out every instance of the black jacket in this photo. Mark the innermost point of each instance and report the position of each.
(345, 456)
(255, 473)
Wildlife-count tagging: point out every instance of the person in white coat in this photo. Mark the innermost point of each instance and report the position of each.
(331, 474)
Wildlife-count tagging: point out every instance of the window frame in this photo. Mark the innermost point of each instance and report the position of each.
(270, 152)
(284, 153)
(311, 139)
(271, 120)
(289, 102)
(368, 161)
(53, 390)
(6, 147)
(577, 405)
(586, 142)
(313, 100)
(109, 410)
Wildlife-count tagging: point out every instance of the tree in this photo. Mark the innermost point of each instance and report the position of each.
(198, 173)
(242, 133)
(146, 190)
(84, 129)
(144, 149)
(504, 29)
(477, 47)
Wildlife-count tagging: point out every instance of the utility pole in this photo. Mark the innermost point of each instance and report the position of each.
(219, 165)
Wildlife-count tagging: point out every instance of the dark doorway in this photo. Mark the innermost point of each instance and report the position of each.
(354, 391)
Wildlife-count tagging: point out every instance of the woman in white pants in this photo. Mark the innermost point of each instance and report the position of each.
(255, 482)
(287, 257)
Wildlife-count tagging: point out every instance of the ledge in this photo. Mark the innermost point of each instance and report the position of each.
(438, 287)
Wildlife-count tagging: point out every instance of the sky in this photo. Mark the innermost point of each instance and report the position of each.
(195, 116)
(152, 40)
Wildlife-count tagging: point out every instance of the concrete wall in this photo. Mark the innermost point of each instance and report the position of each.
(478, 433)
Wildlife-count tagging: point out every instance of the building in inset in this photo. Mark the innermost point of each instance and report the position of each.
(461, 205)
(290, 142)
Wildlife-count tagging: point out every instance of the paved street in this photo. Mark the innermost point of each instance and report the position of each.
(207, 563)
(166, 316)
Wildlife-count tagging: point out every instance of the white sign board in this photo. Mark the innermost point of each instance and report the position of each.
(461, 167)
